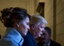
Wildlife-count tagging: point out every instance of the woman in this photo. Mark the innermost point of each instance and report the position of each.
(17, 22)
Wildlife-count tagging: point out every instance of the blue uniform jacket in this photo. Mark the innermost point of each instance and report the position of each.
(11, 38)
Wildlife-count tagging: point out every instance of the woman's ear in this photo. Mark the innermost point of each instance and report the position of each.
(17, 25)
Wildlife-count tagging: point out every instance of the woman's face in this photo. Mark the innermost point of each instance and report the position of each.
(24, 26)
(39, 29)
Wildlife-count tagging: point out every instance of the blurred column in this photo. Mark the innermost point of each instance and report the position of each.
(54, 20)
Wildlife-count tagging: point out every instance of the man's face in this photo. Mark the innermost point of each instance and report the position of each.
(46, 37)
(38, 30)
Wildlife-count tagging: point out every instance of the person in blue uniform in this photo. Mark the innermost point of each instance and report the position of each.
(16, 21)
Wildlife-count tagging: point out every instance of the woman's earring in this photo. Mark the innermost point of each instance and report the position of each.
(17, 25)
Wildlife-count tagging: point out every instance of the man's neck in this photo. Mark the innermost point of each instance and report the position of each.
(48, 43)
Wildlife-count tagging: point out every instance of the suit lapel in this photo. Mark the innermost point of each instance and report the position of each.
(34, 41)
(21, 42)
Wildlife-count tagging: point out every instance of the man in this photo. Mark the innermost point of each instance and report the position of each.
(37, 24)
(47, 39)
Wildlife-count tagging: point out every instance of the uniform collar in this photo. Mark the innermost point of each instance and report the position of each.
(14, 34)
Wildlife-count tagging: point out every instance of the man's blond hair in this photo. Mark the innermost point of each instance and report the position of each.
(37, 19)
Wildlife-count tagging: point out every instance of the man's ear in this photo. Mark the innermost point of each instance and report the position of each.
(32, 26)
(50, 35)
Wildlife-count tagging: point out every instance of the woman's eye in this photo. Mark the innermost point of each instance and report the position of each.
(27, 23)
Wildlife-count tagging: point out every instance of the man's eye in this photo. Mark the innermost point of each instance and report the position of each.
(42, 27)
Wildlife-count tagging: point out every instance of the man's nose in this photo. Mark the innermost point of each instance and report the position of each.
(42, 36)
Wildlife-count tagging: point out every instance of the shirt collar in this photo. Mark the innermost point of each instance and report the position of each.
(14, 34)
(49, 43)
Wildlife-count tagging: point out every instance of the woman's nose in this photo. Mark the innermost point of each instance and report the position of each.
(28, 27)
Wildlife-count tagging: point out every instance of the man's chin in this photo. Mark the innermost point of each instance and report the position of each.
(39, 35)
(25, 34)
(45, 42)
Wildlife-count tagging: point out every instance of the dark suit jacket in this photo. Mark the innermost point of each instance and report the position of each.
(29, 40)
(51, 44)
(54, 43)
